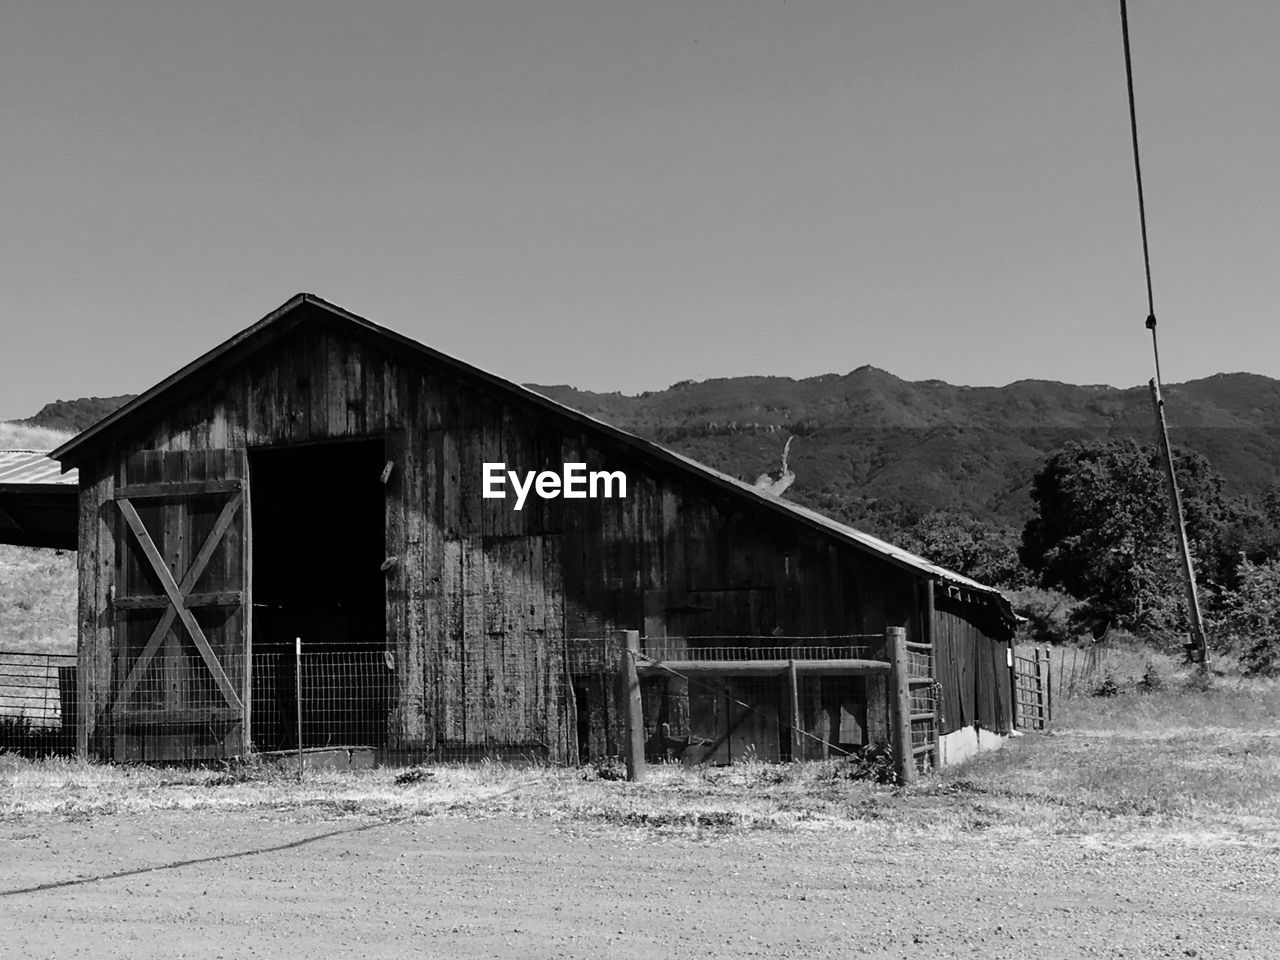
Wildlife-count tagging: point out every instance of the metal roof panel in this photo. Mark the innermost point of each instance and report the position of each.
(33, 467)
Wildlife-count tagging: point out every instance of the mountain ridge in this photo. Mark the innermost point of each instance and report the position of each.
(871, 445)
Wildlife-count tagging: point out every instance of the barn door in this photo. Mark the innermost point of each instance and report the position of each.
(182, 606)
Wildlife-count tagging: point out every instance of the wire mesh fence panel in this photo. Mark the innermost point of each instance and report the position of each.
(37, 703)
(172, 707)
(1077, 670)
(521, 696)
(704, 648)
(591, 698)
(342, 696)
(730, 699)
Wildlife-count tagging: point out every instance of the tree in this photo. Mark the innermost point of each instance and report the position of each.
(1102, 533)
(984, 551)
(1250, 617)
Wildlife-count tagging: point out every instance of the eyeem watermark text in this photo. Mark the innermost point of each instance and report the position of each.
(573, 483)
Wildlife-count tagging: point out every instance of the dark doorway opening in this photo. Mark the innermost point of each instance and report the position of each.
(318, 516)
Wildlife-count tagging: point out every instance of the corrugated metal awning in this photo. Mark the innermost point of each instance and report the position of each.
(32, 466)
(39, 504)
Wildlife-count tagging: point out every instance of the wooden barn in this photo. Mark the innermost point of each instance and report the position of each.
(320, 477)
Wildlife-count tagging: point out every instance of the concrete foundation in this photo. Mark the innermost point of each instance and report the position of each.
(967, 742)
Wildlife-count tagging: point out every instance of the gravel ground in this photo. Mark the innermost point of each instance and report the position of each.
(275, 884)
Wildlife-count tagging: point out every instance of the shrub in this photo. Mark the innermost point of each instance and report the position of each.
(1152, 679)
(1108, 687)
(1050, 614)
(1249, 621)
(606, 768)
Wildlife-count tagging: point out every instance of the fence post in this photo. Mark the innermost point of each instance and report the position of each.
(1040, 696)
(795, 711)
(1015, 708)
(1048, 688)
(632, 709)
(297, 696)
(904, 760)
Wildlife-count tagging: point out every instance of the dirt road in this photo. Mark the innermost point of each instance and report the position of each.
(273, 884)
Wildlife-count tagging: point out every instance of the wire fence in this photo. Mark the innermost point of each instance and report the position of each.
(342, 697)
(709, 649)
(1078, 670)
(723, 699)
(37, 703)
(557, 701)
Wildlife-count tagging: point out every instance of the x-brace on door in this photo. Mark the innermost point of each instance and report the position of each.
(182, 607)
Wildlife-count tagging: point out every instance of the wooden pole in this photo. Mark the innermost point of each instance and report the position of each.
(1197, 648)
(903, 760)
(1011, 657)
(1048, 687)
(246, 554)
(795, 712)
(297, 696)
(632, 708)
(1037, 679)
(931, 638)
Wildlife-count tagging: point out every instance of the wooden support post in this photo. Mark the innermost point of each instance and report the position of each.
(1048, 688)
(903, 759)
(1196, 648)
(795, 712)
(246, 612)
(1016, 720)
(297, 696)
(931, 638)
(632, 710)
(1040, 697)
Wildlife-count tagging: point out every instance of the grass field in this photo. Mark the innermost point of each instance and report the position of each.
(37, 600)
(1205, 761)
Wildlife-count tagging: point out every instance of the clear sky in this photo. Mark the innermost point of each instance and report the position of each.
(621, 195)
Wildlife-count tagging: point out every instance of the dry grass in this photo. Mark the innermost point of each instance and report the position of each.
(750, 795)
(37, 600)
(19, 436)
(1201, 766)
(1185, 759)
(1127, 665)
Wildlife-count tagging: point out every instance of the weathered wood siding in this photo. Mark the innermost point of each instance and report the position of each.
(482, 596)
(970, 657)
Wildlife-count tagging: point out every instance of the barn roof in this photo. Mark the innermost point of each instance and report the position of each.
(306, 306)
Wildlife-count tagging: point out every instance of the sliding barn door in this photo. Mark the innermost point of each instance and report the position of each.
(182, 606)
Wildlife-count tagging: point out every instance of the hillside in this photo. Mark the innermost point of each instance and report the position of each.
(871, 447)
(21, 436)
(72, 416)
